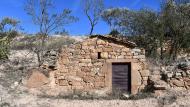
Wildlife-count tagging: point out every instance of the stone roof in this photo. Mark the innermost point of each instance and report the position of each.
(124, 42)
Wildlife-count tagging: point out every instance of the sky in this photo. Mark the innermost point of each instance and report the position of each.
(15, 9)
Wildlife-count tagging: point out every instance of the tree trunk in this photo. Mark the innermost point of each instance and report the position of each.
(91, 30)
(41, 49)
(161, 53)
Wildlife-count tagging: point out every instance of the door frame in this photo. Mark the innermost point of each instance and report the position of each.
(107, 69)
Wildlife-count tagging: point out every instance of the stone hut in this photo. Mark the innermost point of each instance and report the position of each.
(101, 63)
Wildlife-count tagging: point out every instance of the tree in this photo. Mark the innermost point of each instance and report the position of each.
(62, 33)
(143, 24)
(93, 10)
(181, 1)
(114, 16)
(177, 25)
(7, 33)
(48, 22)
(152, 30)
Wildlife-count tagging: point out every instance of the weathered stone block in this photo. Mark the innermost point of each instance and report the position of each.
(145, 73)
(64, 70)
(99, 79)
(101, 42)
(136, 55)
(81, 74)
(139, 56)
(113, 56)
(99, 84)
(83, 64)
(121, 57)
(108, 49)
(188, 82)
(169, 75)
(63, 82)
(143, 60)
(143, 51)
(145, 78)
(85, 43)
(128, 57)
(82, 52)
(99, 50)
(65, 61)
(61, 76)
(90, 65)
(77, 87)
(89, 86)
(76, 83)
(85, 47)
(177, 83)
(118, 50)
(95, 70)
(85, 60)
(94, 55)
(112, 53)
(85, 69)
(178, 74)
(73, 78)
(129, 54)
(123, 53)
(125, 49)
(104, 55)
(136, 50)
(88, 79)
(78, 46)
(98, 64)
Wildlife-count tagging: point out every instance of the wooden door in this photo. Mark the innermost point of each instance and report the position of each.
(121, 79)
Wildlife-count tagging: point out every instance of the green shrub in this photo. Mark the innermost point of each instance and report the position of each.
(4, 49)
(59, 42)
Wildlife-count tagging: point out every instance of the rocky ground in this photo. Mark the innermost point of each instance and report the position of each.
(14, 94)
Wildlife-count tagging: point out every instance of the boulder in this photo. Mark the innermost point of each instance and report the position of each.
(178, 74)
(177, 83)
(160, 85)
(36, 80)
(188, 72)
(169, 75)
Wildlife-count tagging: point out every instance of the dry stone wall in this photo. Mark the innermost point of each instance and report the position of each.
(81, 66)
(177, 76)
(174, 76)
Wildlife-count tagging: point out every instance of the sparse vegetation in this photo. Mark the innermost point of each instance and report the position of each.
(7, 33)
(163, 33)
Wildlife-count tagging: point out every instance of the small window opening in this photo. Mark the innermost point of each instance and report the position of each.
(99, 55)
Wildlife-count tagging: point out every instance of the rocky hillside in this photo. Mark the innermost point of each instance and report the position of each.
(170, 86)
